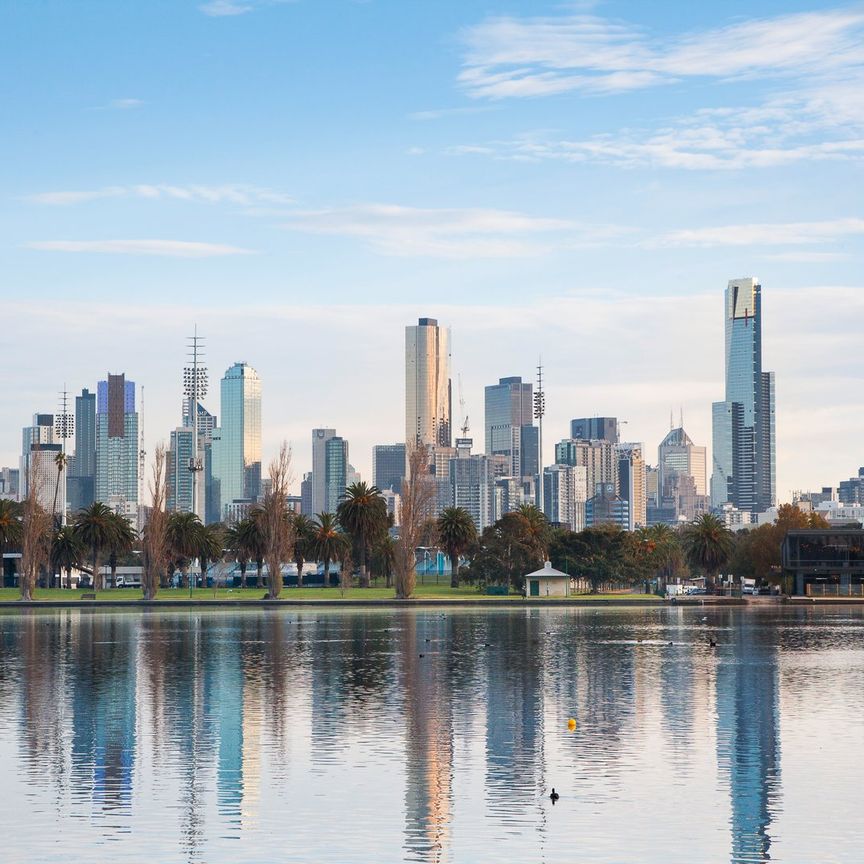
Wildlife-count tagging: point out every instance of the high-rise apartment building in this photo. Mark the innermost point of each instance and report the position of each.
(117, 446)
(336, 472)
(9, 483)
(39, 450)
(510, 430)
(320, 437)
(599, 457)
(565, 491)
(607, 507)
(595, 429)
(472, 487)
(179, 478)
(81, 483)
(428, 400)
(236, 442)
(388, 466)
(744, 471)
(631, 483)
(851, 491)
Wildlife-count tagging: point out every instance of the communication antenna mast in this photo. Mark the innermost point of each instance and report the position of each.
(194, 389)
(465, 427)
(142, 454)
(64, 427)
(539, 412)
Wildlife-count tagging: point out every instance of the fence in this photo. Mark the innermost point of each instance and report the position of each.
(828, 589)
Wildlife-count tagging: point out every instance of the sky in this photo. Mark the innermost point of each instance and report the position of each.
(300, 180)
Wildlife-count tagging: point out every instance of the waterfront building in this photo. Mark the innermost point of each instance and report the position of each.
(824, 560)
(388, 466)
(81, 481)
(428, 399)
(631, 483)
(236, 442)
(118, 446)
(599, 457)
(509, 426)
(565, 492)
(595, 429)
(744, 471)
(607, 507)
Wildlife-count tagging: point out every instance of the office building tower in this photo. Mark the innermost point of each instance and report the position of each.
(306, 507)
(388, 466)
(510, 430)
(744, 471)
(9, 483)
(117, 446)
(472, 487)
(598, 456)
(682, 476)
(38, 470)
(565, 492)
(320, 437)
(439, 472)
(336, 472)
(652, 486)
(595, 429)
(631, 483)
(607, 507)
(851, 491)
(179, 478)
(236, 442)
(427, 385)
(81, 482)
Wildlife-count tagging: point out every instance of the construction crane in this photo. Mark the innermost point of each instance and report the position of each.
(464, 427)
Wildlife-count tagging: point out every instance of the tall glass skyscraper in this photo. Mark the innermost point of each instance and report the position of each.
(510, 430)
(236, 465)
(428, 401)
(744, 458)
(117, 445)
(82, 475)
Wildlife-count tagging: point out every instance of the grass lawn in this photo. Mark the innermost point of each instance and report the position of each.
(423, 592)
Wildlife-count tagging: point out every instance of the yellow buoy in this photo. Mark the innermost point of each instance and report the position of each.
(571, 725)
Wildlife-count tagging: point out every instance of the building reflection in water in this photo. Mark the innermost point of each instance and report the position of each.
(748, 737)
(428, 735)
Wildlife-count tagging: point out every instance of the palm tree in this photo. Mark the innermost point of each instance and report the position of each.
(11, 529)
(328, 542)
(234, 541)
(304, 530)
(707, 544)
(211, 548)
(362, 512)
(383, 558)
(121, 543)
(67, 551)
(252, 538)
(60, 460)
(456, 534)
(183, 535)
(659, 546)
(95, 526)
(536, 530)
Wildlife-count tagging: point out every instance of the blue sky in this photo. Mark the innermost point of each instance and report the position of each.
(303, 178)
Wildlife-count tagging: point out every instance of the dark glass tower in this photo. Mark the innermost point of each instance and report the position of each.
(743, 424)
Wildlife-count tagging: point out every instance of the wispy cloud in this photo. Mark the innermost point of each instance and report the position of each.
(764, 234)
(513, 57)
(160, 248)
(448, 232)
(120, 104)
(440, 113)
(225, 194)
(232, 8)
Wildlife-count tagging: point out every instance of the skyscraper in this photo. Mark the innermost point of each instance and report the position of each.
(472, 485)
(631, 483)
(336, 470)
(117, 445)
(510, 430)
(320, 437)
(427, 384)
(565, 491)
(39, 449)
(743, 424)
(682, 486)
(595, 429)
(82, 474)
(388, 466)
(237, 441)
(598, 456)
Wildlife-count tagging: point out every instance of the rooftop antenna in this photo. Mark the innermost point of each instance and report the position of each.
(142, 453)
(464, 427)
(671, 420)
(682, 416)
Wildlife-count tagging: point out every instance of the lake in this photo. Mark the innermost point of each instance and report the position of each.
(432, 735)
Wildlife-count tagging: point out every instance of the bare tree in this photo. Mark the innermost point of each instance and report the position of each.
(418, 498)
(278, 527)
(155, 532)
(35, 532)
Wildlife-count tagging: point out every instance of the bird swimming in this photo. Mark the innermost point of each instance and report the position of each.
(554, 796)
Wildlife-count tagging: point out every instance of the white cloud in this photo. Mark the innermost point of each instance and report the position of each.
(508, 57)
(163, 248)
(123, 104)
(225, 194)
(448, 232)
(225, 8)
(764, 234)
(439, 113)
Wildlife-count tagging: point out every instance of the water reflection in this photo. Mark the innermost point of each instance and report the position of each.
(417, 736)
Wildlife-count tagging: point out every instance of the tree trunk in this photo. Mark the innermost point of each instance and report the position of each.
(243, 566)
(299, 562)
(259, 564)
(364, 573)
(68, 578)
(326, 572)
(97, 571)
(184, 575)
(454, 569)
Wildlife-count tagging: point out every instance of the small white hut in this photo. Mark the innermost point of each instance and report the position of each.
(547, 582)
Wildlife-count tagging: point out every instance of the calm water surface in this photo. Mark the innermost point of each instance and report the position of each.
(388, 736)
